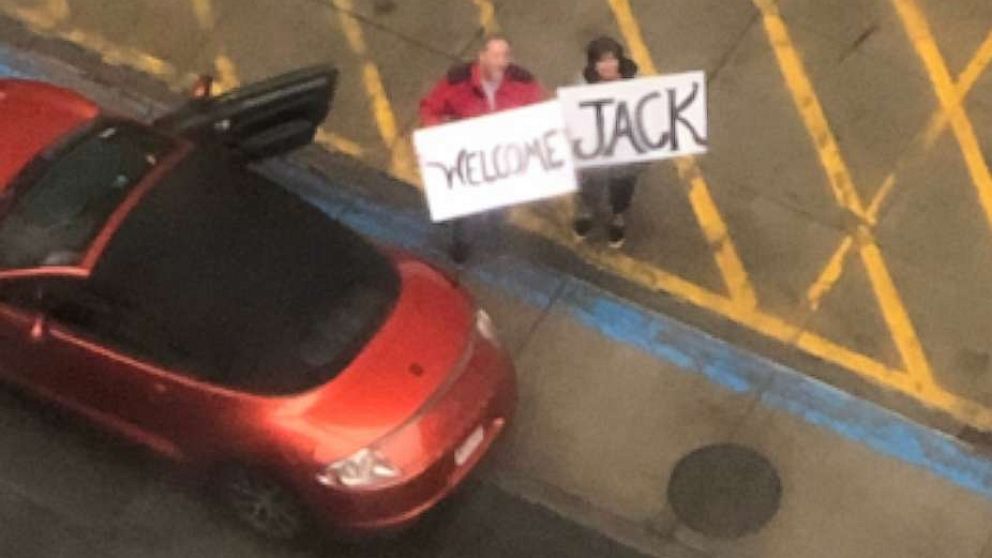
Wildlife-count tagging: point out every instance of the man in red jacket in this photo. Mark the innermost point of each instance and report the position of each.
(489, 84)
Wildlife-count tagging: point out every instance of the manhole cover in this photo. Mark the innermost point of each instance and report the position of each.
(724, 491)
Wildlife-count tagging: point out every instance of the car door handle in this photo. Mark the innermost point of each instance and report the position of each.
(159, 388)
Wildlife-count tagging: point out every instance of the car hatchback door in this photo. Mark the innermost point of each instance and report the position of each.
(264, 119)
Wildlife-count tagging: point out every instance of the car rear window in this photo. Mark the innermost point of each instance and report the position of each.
(239, 282)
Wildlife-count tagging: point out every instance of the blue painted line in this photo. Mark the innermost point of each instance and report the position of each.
(14, 66)
(879, 429)
(534, 286)
(664, 338)
(778, 386)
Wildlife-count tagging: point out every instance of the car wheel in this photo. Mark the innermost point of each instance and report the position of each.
(263, 504)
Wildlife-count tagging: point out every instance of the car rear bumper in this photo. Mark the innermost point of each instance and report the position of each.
(484, 396)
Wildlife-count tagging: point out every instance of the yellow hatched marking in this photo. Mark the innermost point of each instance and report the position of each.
(950, 100)
(924, 141)
(839, 177)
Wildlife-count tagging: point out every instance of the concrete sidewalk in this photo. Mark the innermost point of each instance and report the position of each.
(612, 396)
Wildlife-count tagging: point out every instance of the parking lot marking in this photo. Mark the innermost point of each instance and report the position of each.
(842, 185)
(921, 144)
(708, 216)
(950, 99)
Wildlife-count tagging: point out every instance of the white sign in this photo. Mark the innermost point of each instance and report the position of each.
(636, 120)
(496, 160)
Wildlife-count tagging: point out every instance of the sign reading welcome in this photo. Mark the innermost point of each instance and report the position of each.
(496, 160)
(636, 120)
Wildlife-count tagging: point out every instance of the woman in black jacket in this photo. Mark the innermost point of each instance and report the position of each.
(605, 61)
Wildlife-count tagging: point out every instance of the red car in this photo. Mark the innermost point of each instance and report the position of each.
(153, 284)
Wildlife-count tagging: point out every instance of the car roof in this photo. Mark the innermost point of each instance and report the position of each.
(33, 116)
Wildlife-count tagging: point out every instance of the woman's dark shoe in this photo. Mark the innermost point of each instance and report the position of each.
(581, 228)
(616, 231)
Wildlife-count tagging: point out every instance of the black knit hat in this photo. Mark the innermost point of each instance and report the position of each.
(606, 45)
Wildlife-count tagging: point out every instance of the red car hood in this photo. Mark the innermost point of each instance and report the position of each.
(419, 346)
(34, 115)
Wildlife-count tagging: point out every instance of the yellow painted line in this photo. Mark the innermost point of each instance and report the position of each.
(707, 214)
(226, 74)
(808, 105)
(895, 315)
(923, 41)
(339, 143)
(47, 16)
(830, 275)
(487, 16)
(48, 19)
(117, 55)
(204, 12)
(810, 109)
(976, 66)
(631, 31)
(880, 196)
(936, 126)
(834, 269)
(402, 162)
(717, 236)
(966, 80)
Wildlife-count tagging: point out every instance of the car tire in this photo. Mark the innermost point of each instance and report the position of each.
(264, 505)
